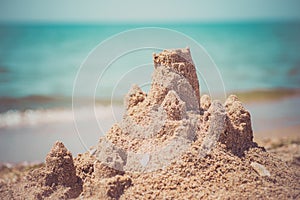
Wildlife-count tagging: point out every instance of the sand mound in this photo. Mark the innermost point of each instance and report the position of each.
(56, 180)
(170, 144)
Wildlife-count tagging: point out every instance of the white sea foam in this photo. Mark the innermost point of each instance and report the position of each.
(16, 118)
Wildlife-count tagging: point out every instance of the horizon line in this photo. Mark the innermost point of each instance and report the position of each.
(191, 22)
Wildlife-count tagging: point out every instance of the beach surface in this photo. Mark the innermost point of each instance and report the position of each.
(28, 137)
(254, 158)
(168, 144)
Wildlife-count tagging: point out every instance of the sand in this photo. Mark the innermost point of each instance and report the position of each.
(170, 144)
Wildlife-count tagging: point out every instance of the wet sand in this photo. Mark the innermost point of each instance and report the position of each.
(278, 118)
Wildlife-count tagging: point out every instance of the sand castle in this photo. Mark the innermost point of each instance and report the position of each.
(161, 125)
(170, 144)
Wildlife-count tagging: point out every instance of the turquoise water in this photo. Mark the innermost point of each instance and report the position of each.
(42, 60)
(38, 65)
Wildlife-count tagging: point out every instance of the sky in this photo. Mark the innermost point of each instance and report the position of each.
(110, 11)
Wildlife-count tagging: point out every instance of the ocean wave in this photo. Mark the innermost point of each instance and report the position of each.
(35, 102)
(17, 118)
(32, 102)
(33, 117)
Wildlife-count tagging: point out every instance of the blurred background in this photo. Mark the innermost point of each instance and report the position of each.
(255, 44)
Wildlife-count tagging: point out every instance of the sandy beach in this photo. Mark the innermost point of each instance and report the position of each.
(167, 143)
(116, 100)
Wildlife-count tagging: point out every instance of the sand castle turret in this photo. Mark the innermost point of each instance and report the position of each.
(181, 61)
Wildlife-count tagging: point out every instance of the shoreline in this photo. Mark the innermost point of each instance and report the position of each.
(265, 95)
(34, 102)
(48, 102)
(40, 132)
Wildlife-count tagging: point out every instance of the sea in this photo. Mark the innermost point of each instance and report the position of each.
(40, 63)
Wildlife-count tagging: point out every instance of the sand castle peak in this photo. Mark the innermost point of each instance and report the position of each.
(174, 70)
(59, 163)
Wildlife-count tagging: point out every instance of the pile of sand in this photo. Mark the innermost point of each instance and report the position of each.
(170, 145)
(57, 179)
